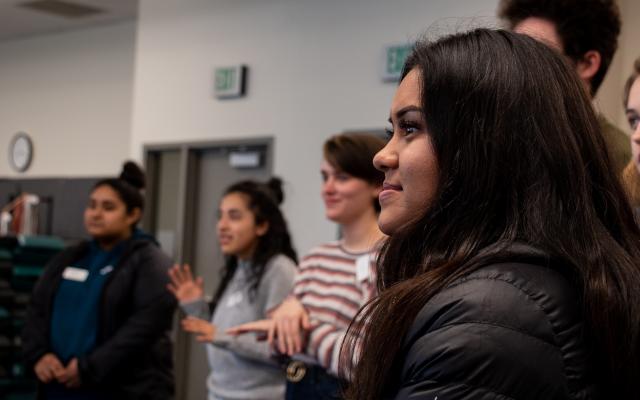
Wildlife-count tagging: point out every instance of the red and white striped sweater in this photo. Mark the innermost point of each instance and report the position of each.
(332, 284)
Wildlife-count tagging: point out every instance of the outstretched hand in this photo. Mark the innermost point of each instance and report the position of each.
(183, 286)
(261, 328)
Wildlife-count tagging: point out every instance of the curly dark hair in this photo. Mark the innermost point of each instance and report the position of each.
(582, 25)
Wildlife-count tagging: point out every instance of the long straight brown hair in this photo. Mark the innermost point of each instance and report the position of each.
(521, 160)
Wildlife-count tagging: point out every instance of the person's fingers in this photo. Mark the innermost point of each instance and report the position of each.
(187, 272)
(235, 330)
(62, 376)
(306, 324)
(48, 374)
(42, 375)
(203, 338)
(200, 282)
(271, 334)
(194, 325)
(291, 334)
(282, 345)
(172, 274)
(296, 339)
(179, 275)
(172, 289)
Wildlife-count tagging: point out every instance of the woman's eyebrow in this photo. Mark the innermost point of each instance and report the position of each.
(405, 110)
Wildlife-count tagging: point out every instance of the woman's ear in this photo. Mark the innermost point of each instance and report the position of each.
(134, 216)
(262, 228)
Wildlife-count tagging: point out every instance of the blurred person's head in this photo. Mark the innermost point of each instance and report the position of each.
(351, 184)
(632, 110)
(115, 205)
(250, 220)
(251, 227)
(586, 31)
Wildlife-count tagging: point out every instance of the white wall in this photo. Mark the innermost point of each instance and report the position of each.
(72, 93)
(314, 71)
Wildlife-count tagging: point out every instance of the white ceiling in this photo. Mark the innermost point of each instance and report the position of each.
(18, 22)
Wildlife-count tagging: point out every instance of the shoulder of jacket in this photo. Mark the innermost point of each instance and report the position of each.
(144, 250)
(530, 299)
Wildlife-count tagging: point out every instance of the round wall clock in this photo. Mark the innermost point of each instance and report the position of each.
(21, 152)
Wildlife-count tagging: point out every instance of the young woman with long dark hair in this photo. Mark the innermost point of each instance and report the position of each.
(334, 279)
(99, 319)
(260, 264)
(513, 264)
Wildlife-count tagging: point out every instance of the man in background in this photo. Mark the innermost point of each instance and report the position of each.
(586, 32)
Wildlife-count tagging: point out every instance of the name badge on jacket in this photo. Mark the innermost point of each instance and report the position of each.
(75, 274)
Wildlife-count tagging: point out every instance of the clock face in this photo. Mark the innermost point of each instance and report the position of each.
(21, 152)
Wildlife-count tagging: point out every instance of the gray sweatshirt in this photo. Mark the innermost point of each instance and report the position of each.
(242, 367)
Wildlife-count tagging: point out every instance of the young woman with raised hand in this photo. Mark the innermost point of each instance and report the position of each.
(334, 279)
(512, 268)
(99, 318)
(257, 275)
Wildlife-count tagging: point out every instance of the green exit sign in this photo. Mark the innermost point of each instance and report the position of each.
(230, 82)
(394, 58)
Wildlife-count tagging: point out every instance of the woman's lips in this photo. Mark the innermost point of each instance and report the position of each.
(389, 186)
(388, 190)
(330, 202)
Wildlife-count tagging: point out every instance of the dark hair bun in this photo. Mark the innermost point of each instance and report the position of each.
(275, 187)
(133, 175)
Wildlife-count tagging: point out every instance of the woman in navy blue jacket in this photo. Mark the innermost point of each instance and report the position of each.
(98, 322)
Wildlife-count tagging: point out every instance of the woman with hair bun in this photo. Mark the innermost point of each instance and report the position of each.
(258, 274)
(99, 318)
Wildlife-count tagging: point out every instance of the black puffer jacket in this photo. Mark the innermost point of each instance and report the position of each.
(133, 354)
(510, 330)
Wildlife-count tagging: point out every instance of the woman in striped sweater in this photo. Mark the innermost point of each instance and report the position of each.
(334, 279)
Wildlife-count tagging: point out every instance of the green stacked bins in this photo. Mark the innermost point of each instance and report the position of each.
(22, 261)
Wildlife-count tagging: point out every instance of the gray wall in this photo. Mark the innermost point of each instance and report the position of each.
(69, 197)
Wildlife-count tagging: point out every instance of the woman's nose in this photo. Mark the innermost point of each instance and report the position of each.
(386, 158)
(328, 185)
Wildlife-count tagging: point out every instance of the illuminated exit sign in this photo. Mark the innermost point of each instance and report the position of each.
(230, 82)
(394, 58)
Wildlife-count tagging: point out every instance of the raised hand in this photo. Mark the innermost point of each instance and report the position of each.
(204, 331)
(183, 286)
